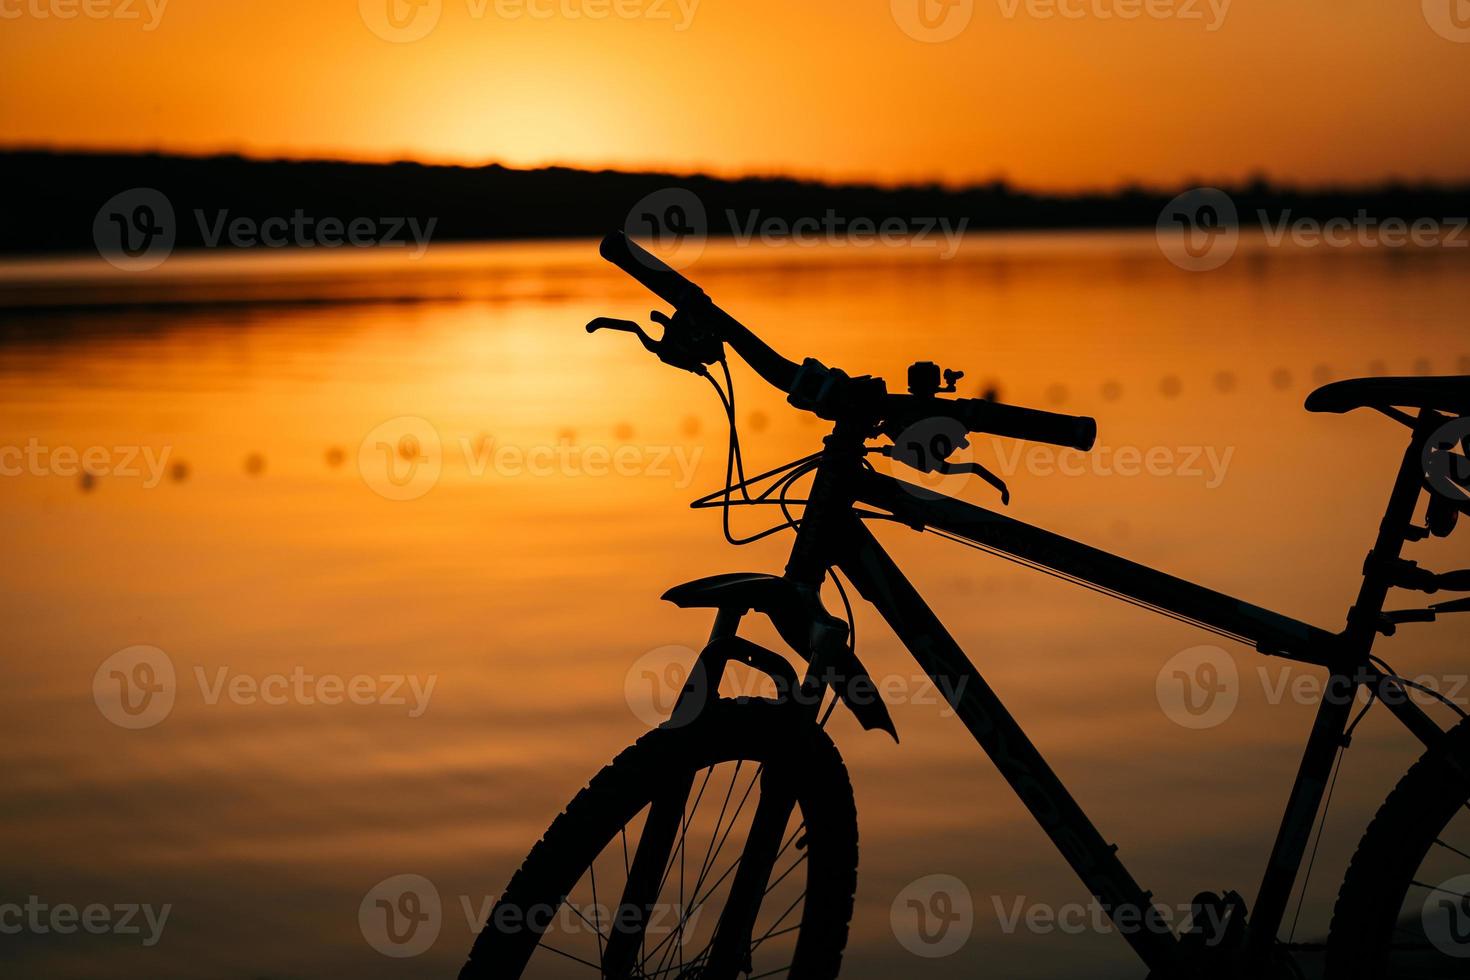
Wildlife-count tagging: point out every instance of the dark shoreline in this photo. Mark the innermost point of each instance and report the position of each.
(56, 197)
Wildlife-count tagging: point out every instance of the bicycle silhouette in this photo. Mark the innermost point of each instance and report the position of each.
(779, 859)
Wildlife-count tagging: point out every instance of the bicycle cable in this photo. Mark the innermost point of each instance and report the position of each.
(789, 473)
(1389, 673)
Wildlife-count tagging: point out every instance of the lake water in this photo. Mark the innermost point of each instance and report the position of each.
(382, 670)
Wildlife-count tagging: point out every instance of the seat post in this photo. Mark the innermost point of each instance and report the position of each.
(1393, 533)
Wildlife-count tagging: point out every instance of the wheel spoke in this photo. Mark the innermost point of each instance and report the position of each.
(1456, 850)
(596, 917)
(1443, 891)
(577, 959)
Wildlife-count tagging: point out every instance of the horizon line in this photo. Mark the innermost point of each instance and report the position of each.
(1259, 179)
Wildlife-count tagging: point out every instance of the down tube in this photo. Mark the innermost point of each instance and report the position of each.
(1094, 860)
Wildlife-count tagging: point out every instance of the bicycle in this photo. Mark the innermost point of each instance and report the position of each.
(643, 821)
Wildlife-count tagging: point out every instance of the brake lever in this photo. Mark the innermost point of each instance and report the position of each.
(626, 326)
(949, 468)
(953, 469)
(684, 344)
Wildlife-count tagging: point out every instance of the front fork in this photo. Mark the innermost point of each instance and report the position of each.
(730, 950)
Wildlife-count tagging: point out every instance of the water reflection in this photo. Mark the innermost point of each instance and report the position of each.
(232, 522)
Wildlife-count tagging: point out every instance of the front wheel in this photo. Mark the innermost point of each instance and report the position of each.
(1404, 908)
(688, 796)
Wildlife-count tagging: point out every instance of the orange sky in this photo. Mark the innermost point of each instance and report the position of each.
(1308, 90)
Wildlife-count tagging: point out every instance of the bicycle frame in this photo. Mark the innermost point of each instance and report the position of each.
(832, 534)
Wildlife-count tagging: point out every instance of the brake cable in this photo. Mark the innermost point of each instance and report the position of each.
(735, 466)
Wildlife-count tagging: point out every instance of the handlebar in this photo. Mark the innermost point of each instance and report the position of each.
(684, 296)
(1034, 425)
(698, 311)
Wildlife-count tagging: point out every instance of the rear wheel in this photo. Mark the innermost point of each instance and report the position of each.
(563, 915)
(1404, 908)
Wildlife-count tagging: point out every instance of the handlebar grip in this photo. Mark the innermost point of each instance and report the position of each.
(1034, 425)
(650, 270)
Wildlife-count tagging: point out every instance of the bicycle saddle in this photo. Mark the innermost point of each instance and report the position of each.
(1446, 394)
